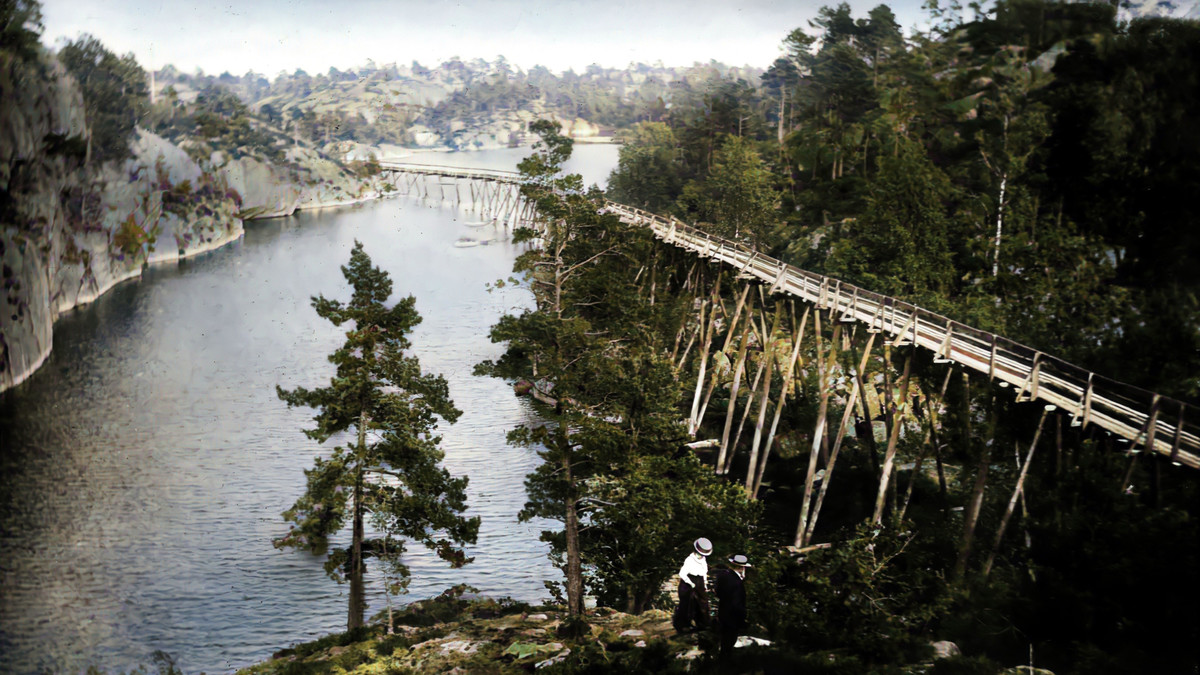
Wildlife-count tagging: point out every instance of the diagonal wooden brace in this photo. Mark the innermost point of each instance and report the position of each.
(852, 309)
(1178, 435)
(901, 334)
(943, 351)
(1149, 428)
(1031, 380)
(779, 279)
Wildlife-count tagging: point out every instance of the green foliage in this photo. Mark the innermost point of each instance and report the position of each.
(593, 657)
(1097, 591)
(114, 92)
(735, 199)
(866, 595)
(646, 176)
(901, 245)
(598, 339)
(1121, 155)
(132, 241)
(221, 121)
(21, 27)
(379, 390)
(643, 519)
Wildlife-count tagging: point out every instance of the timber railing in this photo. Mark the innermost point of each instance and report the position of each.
(1143, 418)
(453, 172)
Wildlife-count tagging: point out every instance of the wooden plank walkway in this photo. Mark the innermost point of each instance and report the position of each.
(1143, 418)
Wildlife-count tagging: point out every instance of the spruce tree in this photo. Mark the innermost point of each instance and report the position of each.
(389, 410)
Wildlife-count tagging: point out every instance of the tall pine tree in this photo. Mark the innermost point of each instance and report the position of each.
(389, 470)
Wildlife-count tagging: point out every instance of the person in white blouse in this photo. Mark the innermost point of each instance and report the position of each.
(693, 589)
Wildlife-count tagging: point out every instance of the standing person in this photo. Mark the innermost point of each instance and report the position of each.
(731, 602)
(693, 586)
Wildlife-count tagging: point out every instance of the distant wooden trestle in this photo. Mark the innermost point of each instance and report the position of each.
(493, 195)
(1145, 419)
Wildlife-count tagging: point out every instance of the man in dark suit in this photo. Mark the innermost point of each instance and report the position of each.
(731, 602)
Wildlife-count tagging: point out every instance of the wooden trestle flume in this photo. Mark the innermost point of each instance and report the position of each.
(1146, 419)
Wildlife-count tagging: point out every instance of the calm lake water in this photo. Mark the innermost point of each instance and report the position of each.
(144, 468)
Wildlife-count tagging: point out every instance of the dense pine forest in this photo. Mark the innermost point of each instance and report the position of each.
(1024, 171)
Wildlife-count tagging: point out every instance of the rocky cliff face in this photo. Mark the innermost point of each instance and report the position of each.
(72, 231)
(38, 104)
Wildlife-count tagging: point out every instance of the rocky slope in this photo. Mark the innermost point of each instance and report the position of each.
(70, 231)
(460, 632)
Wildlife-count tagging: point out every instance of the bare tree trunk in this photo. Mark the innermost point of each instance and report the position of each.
(1000, 206)
(358, 603)
(737, 313)
(768, 360)
(574, 561)
(387, 592)
(782, 98)
(758, 425)
(691, 341)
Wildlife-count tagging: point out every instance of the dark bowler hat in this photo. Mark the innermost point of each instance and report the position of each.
(740, 559)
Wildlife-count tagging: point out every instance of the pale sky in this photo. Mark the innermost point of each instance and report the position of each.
(272, 35)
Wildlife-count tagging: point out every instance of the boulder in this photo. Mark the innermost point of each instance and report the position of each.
(944, 649)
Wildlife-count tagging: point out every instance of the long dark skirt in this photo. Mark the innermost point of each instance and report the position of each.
(692, 608)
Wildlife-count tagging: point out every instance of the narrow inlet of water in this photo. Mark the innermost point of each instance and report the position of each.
(144, 468)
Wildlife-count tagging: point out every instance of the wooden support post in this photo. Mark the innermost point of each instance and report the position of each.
(1012, 502)
(730, 331)
(797, 336)
(769, 358)
(752, 391)
(693, 419)
(1030, 382)
(929, 437)
(733, 392)
(1149, 428)
(889, 457)
(1178, 435)
(830, 465)
(971, 515)
(862, 396)
(698, 332)
(1127, 480)
(992, 361)
(937, 455)
(818, 433)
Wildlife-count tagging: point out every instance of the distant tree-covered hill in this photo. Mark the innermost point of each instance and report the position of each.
(458, 104)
